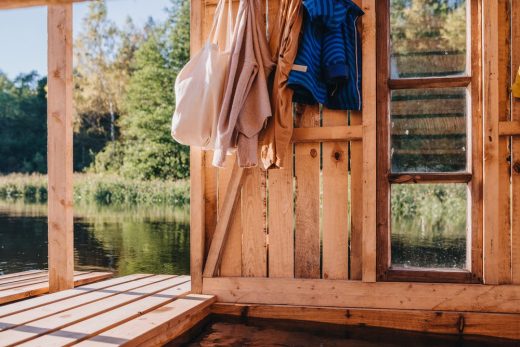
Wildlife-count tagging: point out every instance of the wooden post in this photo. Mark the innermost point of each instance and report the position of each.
(59, 151)
(497, 265)
(369, 142)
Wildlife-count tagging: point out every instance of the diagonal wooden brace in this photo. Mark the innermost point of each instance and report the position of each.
(225, 217)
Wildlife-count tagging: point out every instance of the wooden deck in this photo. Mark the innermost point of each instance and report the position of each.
(135, 310)
(26, 284)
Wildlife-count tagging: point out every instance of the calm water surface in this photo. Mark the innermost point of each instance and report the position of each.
(260, 333)
(124, 240)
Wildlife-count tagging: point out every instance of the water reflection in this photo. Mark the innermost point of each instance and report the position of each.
(124, 240)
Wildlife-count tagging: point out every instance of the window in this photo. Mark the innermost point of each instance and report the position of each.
(428, 180)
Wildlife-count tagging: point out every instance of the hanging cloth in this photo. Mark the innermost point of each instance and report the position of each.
(327, 69)
(245, 106)
(199, 86)
(284, 46)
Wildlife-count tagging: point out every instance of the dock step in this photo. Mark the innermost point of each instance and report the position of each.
(135, 310)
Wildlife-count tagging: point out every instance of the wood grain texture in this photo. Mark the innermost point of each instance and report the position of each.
(281, 219)
(437, 322)
(335, 201)
(226, 215)
(231, 263)
(307, 211)
(433, 82)
(369, 114)
(475, 264)
(197, 179)
(358, 294)
(254, 213)
(59, 148)
(383, 146)
(327, 134)
(496, 264)
(158, 327)
(515, 147)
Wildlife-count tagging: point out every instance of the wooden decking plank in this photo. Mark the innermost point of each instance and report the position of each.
(18, 276)
(29, 281)
(71, 303)
(34, 329)
(100, 323)
(157, 327)
(70, 293)
(42, 288)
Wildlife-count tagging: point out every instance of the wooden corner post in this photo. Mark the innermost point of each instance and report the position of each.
(59, 148)
(197, 187)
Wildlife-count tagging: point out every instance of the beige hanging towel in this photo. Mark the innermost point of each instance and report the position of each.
(246, 105)
(284, 47)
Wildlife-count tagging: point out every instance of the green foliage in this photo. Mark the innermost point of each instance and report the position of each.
(103, 55)
(145, 149)
(23, 123)
(99, 189)
(437, 208)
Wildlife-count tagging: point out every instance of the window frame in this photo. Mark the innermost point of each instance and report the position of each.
(471, 80)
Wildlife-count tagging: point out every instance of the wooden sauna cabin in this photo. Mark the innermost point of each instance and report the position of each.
(314, 241)
(319, 241)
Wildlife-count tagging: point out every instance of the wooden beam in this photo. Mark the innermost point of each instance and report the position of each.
(13, 4)
(358, 294)
(327, 134)
(411, 178)
(507, 128)
(432, 82)
(226, 215)
(438, 322)
(369, 141)
(59, 161)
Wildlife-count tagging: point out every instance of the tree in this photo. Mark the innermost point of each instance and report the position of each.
(146, 149)
(23, 123)
(103, 54)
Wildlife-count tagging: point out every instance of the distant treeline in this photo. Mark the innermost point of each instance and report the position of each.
(123, 96)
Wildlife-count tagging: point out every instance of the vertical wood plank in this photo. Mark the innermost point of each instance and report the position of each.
(59, 120)
(231, 263)
(515, 114)
(254, 248)
(210, 198)
(496, 267)
(476, 236)
(307, 173)
(335, 201)
(281, 220)
(369, 141)
(197, 215)
(504, 112)
(383, 143)
(356, 197)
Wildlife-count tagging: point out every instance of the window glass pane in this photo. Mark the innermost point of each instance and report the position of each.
(428, 38)
(429, 225)
(428, 130)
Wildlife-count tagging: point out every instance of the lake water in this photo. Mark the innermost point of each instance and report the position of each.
(155, 239)
(123, 240)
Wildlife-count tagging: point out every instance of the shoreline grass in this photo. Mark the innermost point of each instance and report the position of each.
(99, 188)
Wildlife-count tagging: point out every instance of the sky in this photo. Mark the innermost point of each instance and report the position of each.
(23, 33)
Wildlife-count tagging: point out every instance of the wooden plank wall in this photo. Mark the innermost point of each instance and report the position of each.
(316, 219)
(299, 221)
